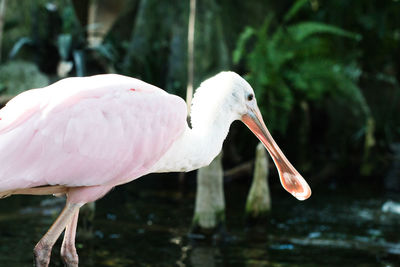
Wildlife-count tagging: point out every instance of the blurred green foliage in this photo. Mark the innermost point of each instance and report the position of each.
(292, 63)
(17, 75)
(296, 65)
(57, 36)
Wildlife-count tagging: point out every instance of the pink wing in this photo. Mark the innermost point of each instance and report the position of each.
(100, 130)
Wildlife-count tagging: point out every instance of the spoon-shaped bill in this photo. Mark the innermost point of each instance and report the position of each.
(291, 180)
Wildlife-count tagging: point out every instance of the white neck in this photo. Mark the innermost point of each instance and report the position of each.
(199, 145)
(216, 104)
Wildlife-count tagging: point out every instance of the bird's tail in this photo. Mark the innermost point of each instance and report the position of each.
(40, 190)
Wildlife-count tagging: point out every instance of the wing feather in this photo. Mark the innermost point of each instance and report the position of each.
(84, 133)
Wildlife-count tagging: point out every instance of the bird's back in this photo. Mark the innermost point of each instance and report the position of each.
(105, 129)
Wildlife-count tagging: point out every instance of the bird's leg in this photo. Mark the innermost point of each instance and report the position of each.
(43, 248)
(68, 250)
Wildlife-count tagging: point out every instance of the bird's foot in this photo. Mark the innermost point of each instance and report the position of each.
(69, 255)
(42, 254)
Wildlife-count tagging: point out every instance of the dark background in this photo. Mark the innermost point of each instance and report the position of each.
(326, 76)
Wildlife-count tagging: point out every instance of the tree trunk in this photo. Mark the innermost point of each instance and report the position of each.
(209, 214)
(2, 15)
(258, 203)
(211, 57)
(101, 16)
(192, 20)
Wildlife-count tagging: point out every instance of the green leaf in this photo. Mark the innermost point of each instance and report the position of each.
(79, 60)
(302, 30)
(106, 50)
(64, 42)
(296, 7)
(241, 44)
(19, 44)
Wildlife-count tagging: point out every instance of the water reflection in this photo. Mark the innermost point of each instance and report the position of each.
(146, 224)
(202, 255)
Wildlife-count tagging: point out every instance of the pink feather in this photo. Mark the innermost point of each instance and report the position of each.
(88, 133)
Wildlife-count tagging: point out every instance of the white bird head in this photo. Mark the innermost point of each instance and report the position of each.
(229, 94)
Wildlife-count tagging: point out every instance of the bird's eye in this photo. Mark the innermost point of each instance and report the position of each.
(250, 97)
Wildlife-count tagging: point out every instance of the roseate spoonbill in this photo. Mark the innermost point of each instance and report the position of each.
(83, 136)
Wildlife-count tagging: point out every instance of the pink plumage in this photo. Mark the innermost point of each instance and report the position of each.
(93, 132)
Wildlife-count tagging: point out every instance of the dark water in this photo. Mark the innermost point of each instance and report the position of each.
(146, 223)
